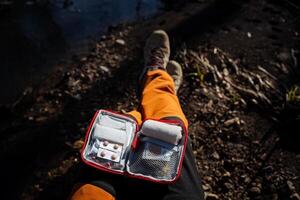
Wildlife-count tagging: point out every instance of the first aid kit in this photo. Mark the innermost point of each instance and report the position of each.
(116, 144)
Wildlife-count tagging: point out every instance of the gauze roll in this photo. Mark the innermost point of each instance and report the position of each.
(166, 132)
(111, 134)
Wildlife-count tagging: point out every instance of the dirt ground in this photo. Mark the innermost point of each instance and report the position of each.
(239, 94)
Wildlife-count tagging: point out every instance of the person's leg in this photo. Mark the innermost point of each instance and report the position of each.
(136, 115)
(95, 184)
(159, 101)
(91, 191)
(158, 97)
(188, 186)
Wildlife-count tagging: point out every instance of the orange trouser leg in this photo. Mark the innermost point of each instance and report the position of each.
(137, 115)
(158, 98)
(91, 192)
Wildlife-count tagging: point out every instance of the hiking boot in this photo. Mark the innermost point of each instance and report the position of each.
(156, 51)
(175, 71)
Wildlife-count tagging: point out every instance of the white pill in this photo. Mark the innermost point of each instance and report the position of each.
(102, 154)
(105, 143)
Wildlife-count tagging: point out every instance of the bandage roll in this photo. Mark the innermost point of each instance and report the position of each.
(111, 134)
(166, 132)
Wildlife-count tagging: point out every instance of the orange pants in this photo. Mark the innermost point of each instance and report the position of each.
(158, 98)
(91, 192)
(158, 101)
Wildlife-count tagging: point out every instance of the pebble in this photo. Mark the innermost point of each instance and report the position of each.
(247, 180)
(120, 42)
(216, 155)
(295, 196)
(254, 101)
(226, 174)
(78, 144)
(225, 72)
(206, 187)
(208, 178)
(291, 186)
(255, 190)
(104, 68)
(211, 196)
(249, 35)
(232, 121)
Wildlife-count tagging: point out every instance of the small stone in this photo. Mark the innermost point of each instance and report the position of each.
(255, 190)
(215, 50)
(83, 59)
(254, 101)
(116, 146)
(291, 186)
(206, 187)
(227, 174)
(295, 196)
(225, 72)
(208, 178)
(78, 144)
(104, 68)
(102, 154)
(211, 196)
(77, 97)
(120, 42)
(249, 35)
(216, 155)
(232, 121)
(247, 179)
(113, 157)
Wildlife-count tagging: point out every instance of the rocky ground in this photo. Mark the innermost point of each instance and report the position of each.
(239, 93)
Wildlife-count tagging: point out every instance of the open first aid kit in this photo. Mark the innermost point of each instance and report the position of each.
(116, 144)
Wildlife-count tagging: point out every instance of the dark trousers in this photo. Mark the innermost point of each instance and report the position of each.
(187, 187)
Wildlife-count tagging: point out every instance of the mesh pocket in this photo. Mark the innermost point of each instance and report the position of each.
(155, 160)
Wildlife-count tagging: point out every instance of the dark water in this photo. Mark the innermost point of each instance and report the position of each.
(34, 36)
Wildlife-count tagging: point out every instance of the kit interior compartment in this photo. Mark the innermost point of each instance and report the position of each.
(156, 159)
(109, 141)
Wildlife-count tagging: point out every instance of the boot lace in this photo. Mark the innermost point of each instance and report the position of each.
(156, 57)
